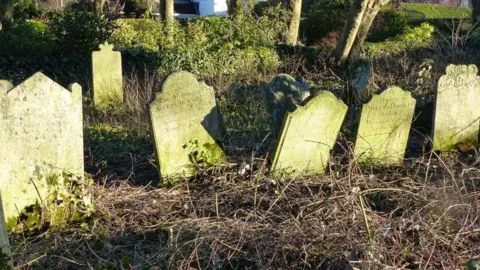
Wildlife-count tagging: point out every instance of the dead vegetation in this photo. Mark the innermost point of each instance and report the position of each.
(424, 215)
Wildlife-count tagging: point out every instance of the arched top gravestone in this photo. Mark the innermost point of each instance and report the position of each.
(107, 76)
(308, 135)
(457, 113)
(41, 133)
(187, 126)
(385, 127)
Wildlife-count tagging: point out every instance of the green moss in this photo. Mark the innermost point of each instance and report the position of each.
(204, 155)
(445, 141)
(11, 223)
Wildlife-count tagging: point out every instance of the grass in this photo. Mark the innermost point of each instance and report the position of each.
(425, 12)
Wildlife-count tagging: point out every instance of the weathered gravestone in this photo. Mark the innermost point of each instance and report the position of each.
(107, 76)
(384, 127)
(361, 81)
(308, 135)
(41, 137)
(284, 94)
(6, 254)
(187, 126)
(457, 108)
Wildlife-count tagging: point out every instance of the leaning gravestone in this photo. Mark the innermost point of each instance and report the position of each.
(6, 254)
(107, 76)
(284, 94)
(308, 135)
(457, 113)
(187, 126)
(384, 127)
(41, 135)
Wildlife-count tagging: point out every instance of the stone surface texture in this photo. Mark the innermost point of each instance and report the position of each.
(41, 134)
(187, 126)
(457, 108)
(4, 242)
(107, 76)
(385, 127)
(308, 135)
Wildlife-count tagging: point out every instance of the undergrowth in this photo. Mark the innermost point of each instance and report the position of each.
(422, 215)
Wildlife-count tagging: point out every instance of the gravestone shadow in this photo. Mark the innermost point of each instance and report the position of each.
(419, 141)
(214, 124)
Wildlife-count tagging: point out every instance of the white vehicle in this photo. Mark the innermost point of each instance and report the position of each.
(200, 8)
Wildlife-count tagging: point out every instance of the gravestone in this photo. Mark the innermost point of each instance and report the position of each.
(284, 94)
(457, 113)
(41, 135)
(187, 126)
(107, 76)
(308, 135)
(385, 127)
(6, 253)
(361, 81)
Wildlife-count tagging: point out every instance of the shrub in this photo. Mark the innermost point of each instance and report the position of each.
(25, 39)
(137, 33)
(24, 9)
(324, 17)
(388, 23)
(413, 38)
(79, 30)
(137, 8)
(208, 46)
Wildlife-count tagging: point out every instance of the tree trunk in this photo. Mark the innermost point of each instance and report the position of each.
(295, 7)
(368, 18)
(169, 12)
(99, 4)
(360, 18)
(232, 7)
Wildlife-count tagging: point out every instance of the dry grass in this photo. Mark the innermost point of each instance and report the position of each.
(424, 215)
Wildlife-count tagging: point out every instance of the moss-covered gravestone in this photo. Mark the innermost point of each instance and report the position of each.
(384, 127)
(41, 137)
(107, 76)
(308, 135)
(284, 94)
(187, 126)
(457, 108)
